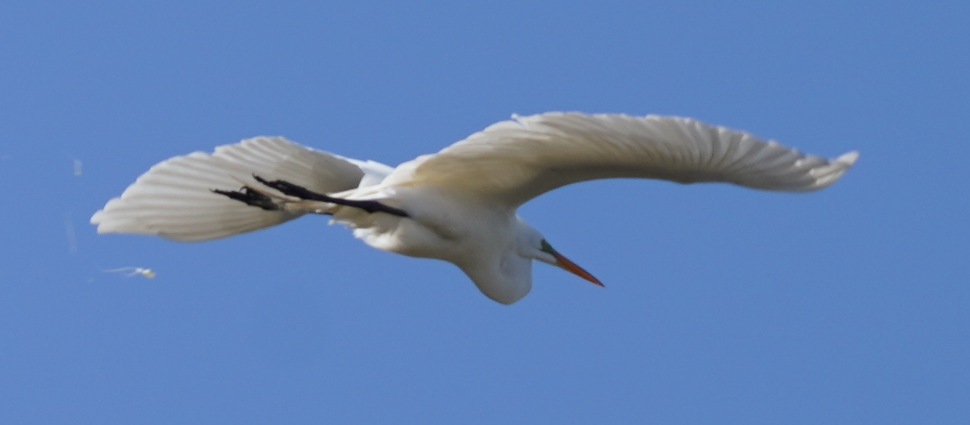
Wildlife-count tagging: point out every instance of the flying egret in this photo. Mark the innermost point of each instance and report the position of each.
(458, 205)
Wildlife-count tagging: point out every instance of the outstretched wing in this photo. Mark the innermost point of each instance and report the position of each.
(174, 198)
(516, 160)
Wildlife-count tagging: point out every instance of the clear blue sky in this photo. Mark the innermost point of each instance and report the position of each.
(722, 304)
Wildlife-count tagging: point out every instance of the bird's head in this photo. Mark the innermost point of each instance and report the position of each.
(534, 246)
(547, 254)
(506, 277)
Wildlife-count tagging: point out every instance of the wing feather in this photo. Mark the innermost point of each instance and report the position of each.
(516, 160)
(173, 199)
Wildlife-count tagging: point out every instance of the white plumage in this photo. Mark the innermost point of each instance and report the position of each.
(457, 205)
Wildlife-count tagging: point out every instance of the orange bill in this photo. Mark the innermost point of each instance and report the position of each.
(571, 267)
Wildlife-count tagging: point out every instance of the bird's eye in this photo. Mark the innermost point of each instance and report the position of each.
(545, 247)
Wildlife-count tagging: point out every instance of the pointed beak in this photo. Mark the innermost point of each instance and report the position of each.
(571, 267)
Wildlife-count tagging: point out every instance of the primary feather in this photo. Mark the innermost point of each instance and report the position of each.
(174, 198)
(516, 160)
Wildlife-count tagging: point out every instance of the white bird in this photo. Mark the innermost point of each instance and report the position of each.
(458, 205)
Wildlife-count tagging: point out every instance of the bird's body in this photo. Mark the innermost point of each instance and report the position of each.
(458, 205)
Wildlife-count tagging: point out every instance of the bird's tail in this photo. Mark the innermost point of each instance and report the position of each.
(177, 198)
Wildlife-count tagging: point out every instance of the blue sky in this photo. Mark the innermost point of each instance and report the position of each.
(722, 304)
